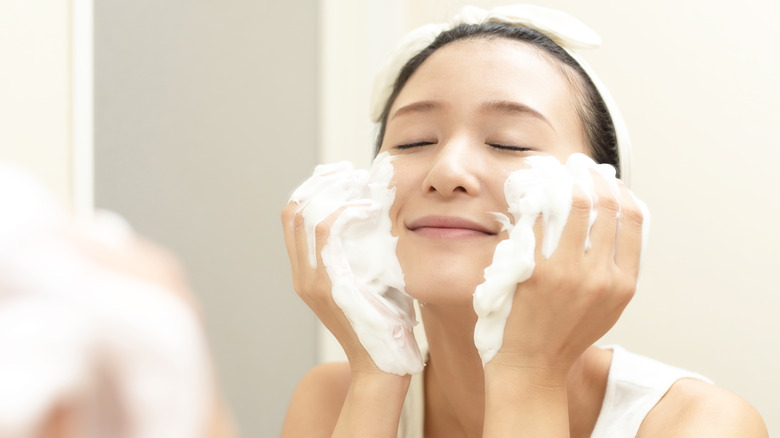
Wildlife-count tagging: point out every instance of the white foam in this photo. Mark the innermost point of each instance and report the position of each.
(360, 258)
(544, 188)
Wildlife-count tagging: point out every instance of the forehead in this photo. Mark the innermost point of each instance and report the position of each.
(491, 69)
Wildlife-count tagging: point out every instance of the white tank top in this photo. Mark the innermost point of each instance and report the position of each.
(634, 385)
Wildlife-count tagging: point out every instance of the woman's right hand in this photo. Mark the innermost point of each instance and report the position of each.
(343, 257)
(313, 284)
(373, 402)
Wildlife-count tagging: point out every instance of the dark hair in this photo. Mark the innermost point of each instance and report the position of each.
(596, 120)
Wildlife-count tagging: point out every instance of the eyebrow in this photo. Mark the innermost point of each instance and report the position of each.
(510, 107)
(422, 106)
(505, 106)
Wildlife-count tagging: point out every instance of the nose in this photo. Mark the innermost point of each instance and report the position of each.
(454, 170)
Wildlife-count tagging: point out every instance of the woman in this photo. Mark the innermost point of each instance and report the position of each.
(463, 113)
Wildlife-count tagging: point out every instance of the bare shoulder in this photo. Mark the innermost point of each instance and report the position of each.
(693, 407)
(316, 403)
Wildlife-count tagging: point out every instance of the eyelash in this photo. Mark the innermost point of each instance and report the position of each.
(510, 148)
(416, 144)
(495, 145)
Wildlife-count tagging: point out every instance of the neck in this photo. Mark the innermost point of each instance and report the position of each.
(454, 379)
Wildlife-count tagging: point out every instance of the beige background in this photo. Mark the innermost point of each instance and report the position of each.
(207, 115)
(35, 89)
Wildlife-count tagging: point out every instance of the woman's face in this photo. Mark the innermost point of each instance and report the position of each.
(464, 121)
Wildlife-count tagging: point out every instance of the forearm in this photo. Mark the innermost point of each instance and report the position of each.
(522, 403)
(373, 405)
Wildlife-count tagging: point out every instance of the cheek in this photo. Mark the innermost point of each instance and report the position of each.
(395, 210)
(406, 187)
(571, 143)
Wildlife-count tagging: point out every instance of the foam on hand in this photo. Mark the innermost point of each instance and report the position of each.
(360, 258)
(544, 188)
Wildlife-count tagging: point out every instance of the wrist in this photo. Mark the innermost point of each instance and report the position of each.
(521, 369)
(376, 387)
(504, 379)
(380, 381)
(525, 398)
(373, 405)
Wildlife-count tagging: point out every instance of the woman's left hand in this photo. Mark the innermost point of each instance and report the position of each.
(568, 303)
(577, 295)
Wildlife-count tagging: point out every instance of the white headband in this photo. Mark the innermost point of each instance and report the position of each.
(562, 28)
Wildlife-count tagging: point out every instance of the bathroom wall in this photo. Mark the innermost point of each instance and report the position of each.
(206, 117)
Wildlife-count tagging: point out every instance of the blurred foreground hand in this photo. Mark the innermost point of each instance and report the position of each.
(99, 334)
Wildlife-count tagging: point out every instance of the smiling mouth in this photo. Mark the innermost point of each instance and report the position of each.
(446, 227)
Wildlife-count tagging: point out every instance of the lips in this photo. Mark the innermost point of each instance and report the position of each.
(448, 227)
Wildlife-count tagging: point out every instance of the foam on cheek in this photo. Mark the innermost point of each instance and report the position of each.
(360, 258)
(545, 188)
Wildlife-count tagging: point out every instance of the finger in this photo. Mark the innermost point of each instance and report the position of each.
(335, 263)
(315, 285)
(304, 258)
(603, 232)
(575, 232)
(628, 247)
(316, 236)
(288, 227)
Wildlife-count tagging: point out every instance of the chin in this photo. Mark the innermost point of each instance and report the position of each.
(440, 272)
(443, 284)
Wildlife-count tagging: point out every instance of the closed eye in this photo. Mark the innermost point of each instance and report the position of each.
(415, 144)
(510, 148)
